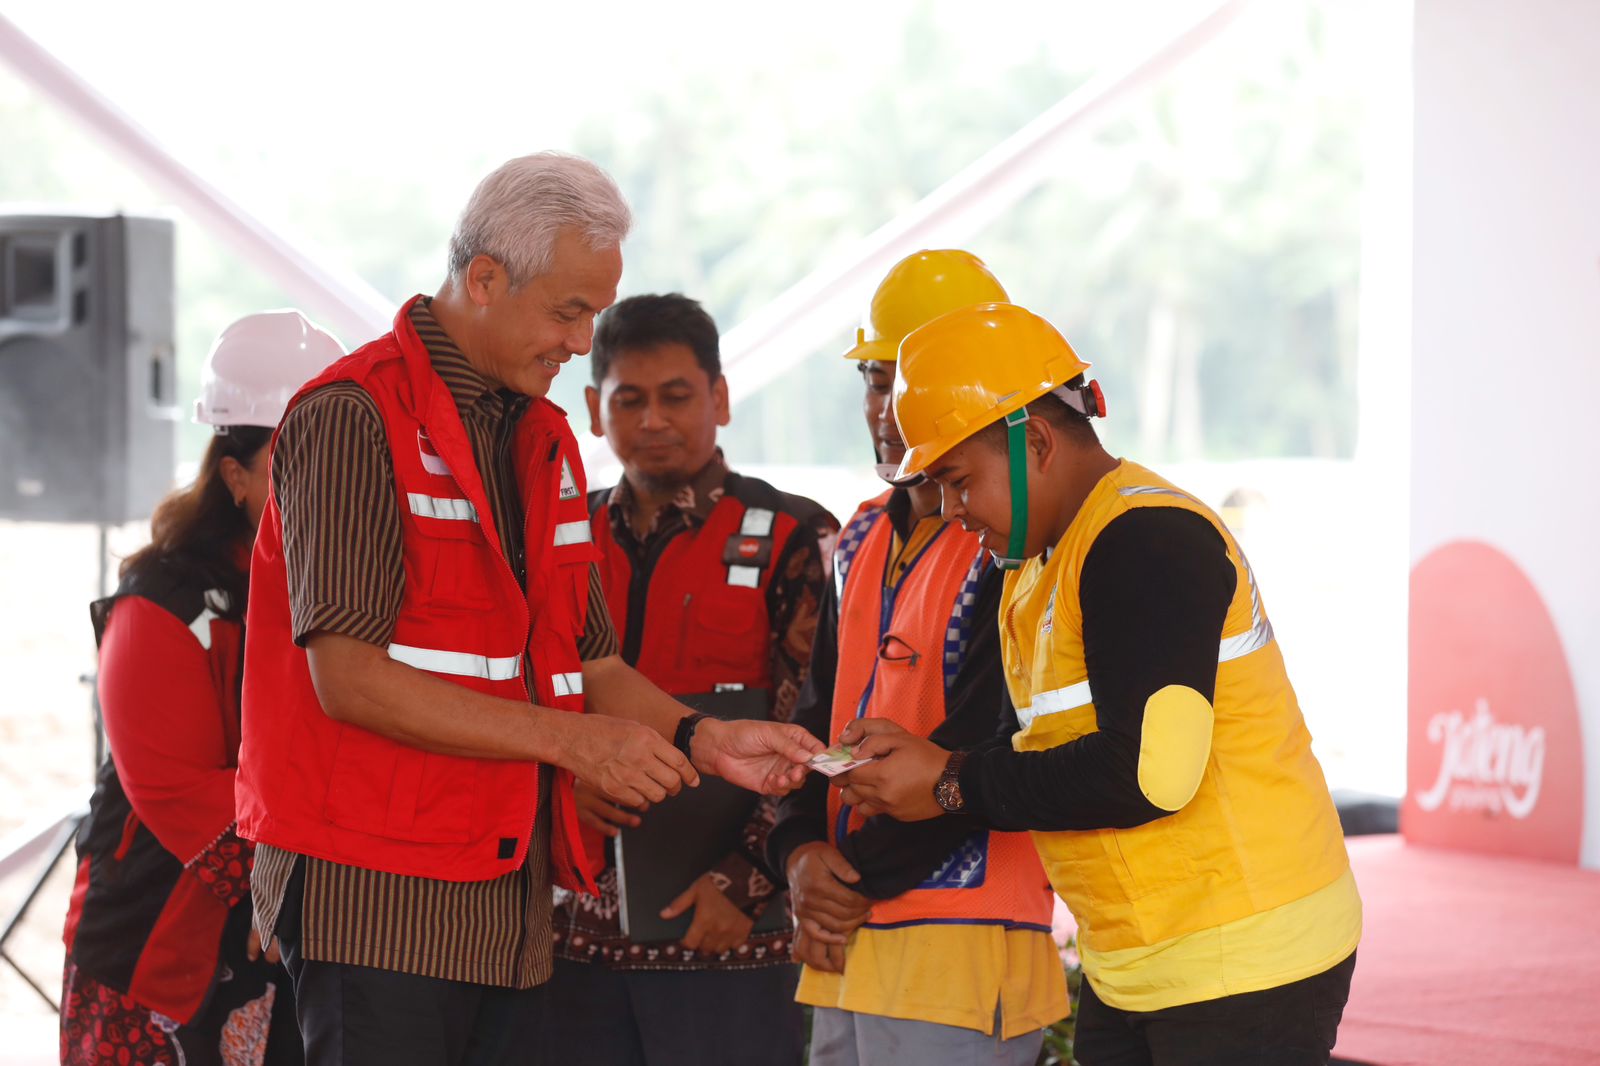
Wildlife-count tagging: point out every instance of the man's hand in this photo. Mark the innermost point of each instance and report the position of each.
(717, 925)
(828, 958)
(825, 907)
(765, 757)
(252, 948)
(900, 778)
(627, 762)
(599, 813)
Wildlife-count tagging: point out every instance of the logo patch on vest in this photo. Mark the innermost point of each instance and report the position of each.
(1049, 623)
(431, 462)
(741, 550)
(966, 867)
(569, 484)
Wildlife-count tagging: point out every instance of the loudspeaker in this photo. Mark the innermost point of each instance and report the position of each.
(88, 416)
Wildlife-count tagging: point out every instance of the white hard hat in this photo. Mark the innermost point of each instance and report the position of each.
(258, 364)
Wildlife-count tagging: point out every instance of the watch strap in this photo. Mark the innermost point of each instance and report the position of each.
(949, 780)
(683, 736)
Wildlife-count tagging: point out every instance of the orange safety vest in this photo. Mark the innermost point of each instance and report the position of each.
(899, 651)
(335, 791)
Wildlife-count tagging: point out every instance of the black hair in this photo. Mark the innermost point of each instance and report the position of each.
(640, 323)
(1053, 409)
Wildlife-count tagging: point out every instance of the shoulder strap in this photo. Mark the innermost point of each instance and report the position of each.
(850, 540)
(959, 633)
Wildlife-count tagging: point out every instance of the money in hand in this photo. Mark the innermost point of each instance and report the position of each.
(836, 760)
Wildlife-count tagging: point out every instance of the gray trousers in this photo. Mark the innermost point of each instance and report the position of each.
(845, 1038)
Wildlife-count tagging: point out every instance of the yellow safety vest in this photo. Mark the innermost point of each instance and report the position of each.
(1261, 830)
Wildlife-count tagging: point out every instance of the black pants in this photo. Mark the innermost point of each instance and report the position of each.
(363, 1016)
(1290, 1025)
(666, 1018)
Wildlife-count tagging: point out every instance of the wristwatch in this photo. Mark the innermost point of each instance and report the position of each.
(683, 736)
(947, 792)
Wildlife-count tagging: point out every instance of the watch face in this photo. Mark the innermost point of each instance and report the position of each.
(948, 794)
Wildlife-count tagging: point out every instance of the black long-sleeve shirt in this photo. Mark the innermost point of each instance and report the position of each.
(1155, 590)
(894, 857)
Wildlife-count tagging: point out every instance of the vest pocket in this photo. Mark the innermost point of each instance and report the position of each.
(389, 790)
(728, 629)
(452, 563)
(1152, 858)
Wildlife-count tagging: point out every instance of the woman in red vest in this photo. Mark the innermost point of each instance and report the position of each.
(162, 966)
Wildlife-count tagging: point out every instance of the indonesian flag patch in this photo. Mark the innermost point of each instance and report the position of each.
(430, 456)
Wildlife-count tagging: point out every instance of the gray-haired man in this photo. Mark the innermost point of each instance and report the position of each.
(425, 623)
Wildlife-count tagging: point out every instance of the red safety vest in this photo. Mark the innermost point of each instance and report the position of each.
(899, 650)
(704, 602)
(315, 786)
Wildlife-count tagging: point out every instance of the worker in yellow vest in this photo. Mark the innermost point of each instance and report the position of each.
(922, 943)
(1163, 764)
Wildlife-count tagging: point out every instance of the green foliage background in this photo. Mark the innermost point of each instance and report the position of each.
(1201, 251)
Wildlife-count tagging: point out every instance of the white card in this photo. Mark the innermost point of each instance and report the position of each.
(836, 760)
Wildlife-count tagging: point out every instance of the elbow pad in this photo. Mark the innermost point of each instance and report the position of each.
(1174, 746)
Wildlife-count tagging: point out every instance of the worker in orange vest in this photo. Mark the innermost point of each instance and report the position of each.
(921, 943)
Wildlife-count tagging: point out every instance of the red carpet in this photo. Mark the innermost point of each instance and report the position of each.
(1472, 959)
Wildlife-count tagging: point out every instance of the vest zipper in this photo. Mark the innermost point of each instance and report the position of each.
(1016, 645)
(527, 663)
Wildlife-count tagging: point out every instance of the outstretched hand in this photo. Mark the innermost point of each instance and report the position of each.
(765, 757)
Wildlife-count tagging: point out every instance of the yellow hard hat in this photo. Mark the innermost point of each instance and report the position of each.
(918, 288)
(970, 367)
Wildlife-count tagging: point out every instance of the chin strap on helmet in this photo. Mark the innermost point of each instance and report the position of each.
(887, 471)
(1017, 460)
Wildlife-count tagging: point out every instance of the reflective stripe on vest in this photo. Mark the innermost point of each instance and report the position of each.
(459, 663)
(757, 522)
(1259, 635)
(1055, 701)
(574, 533)
(567, 684)
(452, 508)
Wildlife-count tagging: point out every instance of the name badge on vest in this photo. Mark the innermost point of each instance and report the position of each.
(1049, 623)
(569, 484)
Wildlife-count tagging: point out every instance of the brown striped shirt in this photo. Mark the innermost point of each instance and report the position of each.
(334, 482)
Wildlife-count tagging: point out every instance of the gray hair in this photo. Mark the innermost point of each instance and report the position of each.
(516, 212)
